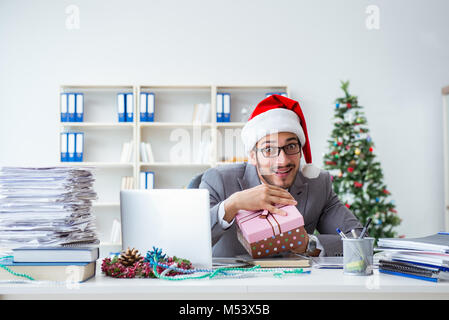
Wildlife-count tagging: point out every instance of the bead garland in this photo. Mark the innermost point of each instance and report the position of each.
(23, 275)
(152, 257)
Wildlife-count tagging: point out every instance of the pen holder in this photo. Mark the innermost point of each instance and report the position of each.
(358, 256)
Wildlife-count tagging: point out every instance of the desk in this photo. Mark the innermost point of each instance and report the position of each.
(320, 284)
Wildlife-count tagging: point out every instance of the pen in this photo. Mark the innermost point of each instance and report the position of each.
(341, 233)
(364, 228)
(354, 234)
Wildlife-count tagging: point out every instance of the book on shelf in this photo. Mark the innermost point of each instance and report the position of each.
(127, 183)
(125, 107)
(127, 152)
(223, 107)
(49, 271)
(116, 233)
(204, 152)
(201, 113)
(72, 107)
(146, 152)
(146, 107)
(72, 146)
(146, 180)
(284, 94)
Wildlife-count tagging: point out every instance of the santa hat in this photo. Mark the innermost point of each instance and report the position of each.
(276, 114)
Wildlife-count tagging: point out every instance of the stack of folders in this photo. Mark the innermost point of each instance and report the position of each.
(223, 107)
(46, 206)
(125, 107)
(65, 263)
(72, 146)
(72, 107)
(146, 180)
(146, 107)
(425, 258)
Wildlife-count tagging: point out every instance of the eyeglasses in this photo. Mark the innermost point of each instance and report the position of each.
(272, 152)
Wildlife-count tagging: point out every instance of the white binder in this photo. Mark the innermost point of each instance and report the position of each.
(71, 146)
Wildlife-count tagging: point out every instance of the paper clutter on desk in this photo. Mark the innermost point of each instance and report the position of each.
(268, 234)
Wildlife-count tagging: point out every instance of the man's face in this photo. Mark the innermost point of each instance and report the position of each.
(279, 170)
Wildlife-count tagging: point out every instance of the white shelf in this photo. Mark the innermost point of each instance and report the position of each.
(106, 204)
(230, 124)
(173, 124)
(109, 125)
(100, 164)
(173, 164)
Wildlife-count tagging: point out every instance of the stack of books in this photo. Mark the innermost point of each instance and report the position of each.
(68, 264)
(425, 258)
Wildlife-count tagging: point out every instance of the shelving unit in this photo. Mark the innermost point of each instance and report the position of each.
(178, 144)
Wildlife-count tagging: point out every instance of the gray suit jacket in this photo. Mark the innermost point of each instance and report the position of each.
(317, 202)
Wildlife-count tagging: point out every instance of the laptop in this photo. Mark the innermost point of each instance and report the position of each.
(174, 220)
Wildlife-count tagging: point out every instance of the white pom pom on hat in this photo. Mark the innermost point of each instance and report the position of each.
(276, 114)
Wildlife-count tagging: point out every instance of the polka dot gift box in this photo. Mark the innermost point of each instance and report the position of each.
(263, 234)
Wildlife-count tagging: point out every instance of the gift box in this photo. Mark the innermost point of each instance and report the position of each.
(263, 234)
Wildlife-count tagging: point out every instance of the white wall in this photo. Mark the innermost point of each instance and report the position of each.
(397, 71)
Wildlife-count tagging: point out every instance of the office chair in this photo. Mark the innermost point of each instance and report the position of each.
(195, 182)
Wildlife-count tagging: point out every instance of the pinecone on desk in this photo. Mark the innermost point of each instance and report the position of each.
(129, 257)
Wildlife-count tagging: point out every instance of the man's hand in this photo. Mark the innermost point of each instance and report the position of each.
(262, 197)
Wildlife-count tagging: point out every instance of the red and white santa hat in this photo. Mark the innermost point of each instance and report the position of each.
(276, 114)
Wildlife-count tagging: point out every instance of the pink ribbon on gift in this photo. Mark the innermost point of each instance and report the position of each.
(276, 224)
(265, 214)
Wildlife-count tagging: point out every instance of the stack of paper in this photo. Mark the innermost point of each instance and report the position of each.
(46, 206)
(425, 258)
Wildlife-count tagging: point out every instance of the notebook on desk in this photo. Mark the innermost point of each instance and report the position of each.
(288, 260)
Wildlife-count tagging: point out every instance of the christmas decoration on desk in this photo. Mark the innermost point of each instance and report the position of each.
(158, 265)
(130, 264)
(356, 175)
(130, 257)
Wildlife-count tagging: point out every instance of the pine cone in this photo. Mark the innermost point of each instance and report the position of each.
(129, 257)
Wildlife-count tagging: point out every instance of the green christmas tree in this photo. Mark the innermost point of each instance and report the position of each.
(357, 177)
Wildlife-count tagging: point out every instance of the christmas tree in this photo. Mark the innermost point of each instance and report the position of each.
(357, 177)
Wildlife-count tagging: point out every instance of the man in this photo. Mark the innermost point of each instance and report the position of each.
(275, 138)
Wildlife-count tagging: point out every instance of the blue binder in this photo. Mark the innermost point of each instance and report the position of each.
(64, 107)
(79, 107)
(129, 107)
(219, 107)
(121, 101)
(284, 94)
(143, 106)
(64, 147)
(226, 107)
(150, 107)
(79, 146)
(149, 180)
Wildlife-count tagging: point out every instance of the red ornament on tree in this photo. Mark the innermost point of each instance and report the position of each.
(358, 184)
(350, 169)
